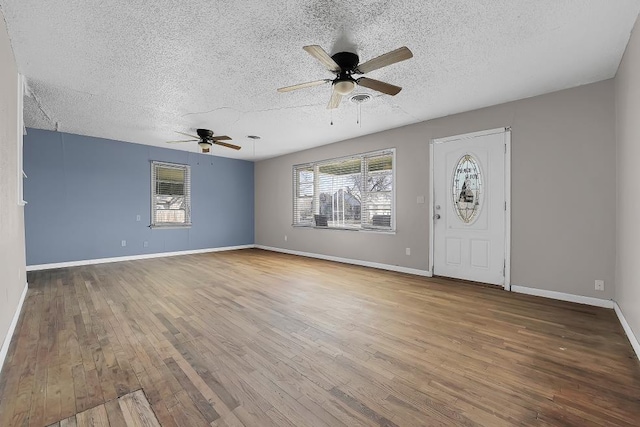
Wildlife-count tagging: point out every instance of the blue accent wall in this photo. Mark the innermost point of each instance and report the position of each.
(83, 195)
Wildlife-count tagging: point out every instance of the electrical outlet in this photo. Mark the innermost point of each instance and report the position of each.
(124, 243)
(599, 285)
(408, 251)
(145, 244)
(137, 217)
(285, 237)
(420, 200)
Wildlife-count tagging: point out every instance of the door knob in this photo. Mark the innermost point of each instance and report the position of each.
(437, 207)
(437, 216)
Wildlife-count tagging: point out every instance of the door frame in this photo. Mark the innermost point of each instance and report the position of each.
(507, 190)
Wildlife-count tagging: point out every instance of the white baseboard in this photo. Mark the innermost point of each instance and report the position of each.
(133, 257)
(627, 329)
(380, 266)
(598, 302)
(12, 327)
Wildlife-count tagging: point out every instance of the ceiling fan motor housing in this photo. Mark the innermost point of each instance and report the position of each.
(204, 133)
(347, 61)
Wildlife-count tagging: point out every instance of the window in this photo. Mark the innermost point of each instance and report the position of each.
(467, 188)
(353, 192)
(170, 195)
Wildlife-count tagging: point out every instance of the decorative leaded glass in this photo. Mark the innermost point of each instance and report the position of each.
(467, 188)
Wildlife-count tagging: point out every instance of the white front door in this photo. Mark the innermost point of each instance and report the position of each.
(470, 206)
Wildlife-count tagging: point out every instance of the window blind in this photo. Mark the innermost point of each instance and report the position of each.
(354, 192)
(171, 194)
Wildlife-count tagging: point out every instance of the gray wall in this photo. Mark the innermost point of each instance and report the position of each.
(563, 191)
(627, 90)
(12, 264)
(84, 194)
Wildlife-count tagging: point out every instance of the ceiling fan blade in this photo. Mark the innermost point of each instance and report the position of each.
(220, 138)
(383, 87)
(334, 102)
(186, 140)
(303, 85)
(224, 144)
(186, 134)
(388, 58)
(321, 55)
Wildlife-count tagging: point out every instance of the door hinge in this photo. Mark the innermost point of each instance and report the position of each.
(505, 148)
(505, 205)
(504, 267)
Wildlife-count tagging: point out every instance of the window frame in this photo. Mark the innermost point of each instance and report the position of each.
(187, 190)
(315, 166)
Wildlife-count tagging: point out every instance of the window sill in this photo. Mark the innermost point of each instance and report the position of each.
(361, 230)
(170, 226)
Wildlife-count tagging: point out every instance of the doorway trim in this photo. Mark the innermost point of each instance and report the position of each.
(507, 190)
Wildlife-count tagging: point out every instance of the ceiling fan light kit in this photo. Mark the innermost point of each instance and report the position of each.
(205, 146)
(344, 87)
(344, 65)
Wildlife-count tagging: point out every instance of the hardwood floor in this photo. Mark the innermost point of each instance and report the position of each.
(254, 338)
(130, 410)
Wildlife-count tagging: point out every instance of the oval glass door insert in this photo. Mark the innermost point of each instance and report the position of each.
(467, 189)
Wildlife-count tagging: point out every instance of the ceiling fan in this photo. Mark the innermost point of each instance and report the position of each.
(344, 65)
(206, 139)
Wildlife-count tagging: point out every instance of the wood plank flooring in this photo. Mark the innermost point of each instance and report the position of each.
(255, 338)
(130, 410)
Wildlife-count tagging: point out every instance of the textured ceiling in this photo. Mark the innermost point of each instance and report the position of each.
(139, 70)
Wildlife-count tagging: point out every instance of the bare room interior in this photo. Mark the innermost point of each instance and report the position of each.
(319, 213)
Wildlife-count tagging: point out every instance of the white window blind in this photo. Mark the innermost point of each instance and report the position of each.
(170, 195)
(354, 192)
